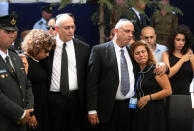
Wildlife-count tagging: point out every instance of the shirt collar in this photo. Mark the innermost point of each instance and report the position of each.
(3, 55)
(136, 12)
(60, 42)
(117, 48)
(157, 48)
(43, 20)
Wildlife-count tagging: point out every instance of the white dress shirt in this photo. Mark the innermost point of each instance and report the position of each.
(137, 13)
(56, 69)
(119, 95)
(159, 51)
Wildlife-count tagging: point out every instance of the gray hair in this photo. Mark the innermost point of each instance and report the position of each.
(62, 17)
(122, 22)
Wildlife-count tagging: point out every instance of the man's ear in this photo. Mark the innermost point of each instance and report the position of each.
(56, 28)
(116, 31)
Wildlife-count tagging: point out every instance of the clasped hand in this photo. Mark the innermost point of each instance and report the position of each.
(31, 120)
(93, 119)
(143, 102)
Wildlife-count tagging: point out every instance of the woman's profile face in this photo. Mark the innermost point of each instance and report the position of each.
(179, 41)
(141, 55)
(43, 53)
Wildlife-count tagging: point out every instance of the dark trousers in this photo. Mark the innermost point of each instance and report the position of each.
(121, 119)
(64, 112)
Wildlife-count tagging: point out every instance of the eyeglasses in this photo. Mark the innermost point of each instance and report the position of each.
(49, 27)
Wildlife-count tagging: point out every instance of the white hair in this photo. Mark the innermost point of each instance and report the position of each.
(122, 22)
(61, 17)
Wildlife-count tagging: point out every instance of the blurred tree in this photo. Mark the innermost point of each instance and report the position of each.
(115, 8)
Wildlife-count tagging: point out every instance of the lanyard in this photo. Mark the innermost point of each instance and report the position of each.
(137, 82)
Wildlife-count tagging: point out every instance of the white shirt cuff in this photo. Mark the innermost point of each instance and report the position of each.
(92, 112)
(23, 115)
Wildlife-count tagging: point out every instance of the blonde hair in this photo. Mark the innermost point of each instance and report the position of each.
(36, 40)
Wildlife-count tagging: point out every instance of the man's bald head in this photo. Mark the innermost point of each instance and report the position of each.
(148, 29)
(149, 36)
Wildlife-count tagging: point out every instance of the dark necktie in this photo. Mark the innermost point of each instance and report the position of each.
(125, 84)
(8, 64)
(64, 81)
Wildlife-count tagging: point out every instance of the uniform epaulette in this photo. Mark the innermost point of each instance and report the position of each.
(40, 23)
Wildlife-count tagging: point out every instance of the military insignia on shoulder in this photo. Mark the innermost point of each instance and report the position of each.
(13, 21)
(3, 71)
(40, 23)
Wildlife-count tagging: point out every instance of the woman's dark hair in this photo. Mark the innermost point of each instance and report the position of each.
(184, 30)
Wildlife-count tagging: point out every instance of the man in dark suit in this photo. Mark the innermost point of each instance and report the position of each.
(16, 99)
(107, 106)
(138, 18)
(111, 80)
(67, 77)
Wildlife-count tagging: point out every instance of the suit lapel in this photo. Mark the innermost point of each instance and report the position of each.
(77, 58)
(3, 65)
(138, 22)
(113, 59)
(50, 61)
(18, 70)
(14, 62)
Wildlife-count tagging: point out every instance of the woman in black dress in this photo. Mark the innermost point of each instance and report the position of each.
(150, 90)
(36, 46)
(180, 60)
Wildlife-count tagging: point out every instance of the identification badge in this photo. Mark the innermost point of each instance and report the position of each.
(133, 103)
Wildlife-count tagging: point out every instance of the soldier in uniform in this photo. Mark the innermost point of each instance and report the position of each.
(46, 13)
(16, 99)
(164, 22)
(136, 16)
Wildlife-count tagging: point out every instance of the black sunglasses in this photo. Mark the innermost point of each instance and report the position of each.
(49, 27)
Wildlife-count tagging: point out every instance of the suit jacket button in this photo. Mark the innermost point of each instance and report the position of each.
(23, 100)
(20, 87)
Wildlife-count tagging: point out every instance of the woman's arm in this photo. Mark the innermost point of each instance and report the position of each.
(192, 61)
(164, 83)
(175, 68)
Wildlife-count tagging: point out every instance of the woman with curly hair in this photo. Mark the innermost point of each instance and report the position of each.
(180, 60)
(36, 46)
(150, 91)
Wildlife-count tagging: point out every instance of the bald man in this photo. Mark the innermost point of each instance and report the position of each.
(107, 105)
(149, 36)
